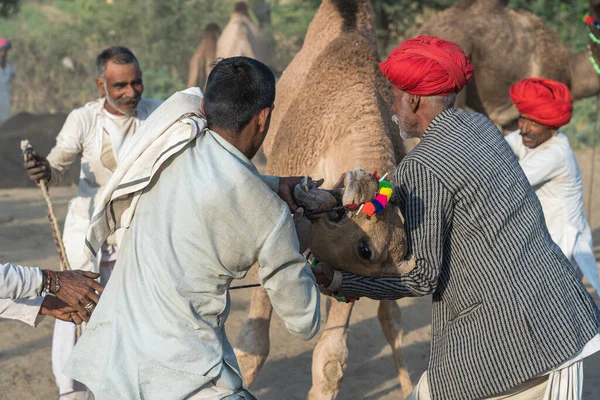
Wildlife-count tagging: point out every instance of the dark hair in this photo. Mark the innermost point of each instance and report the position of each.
(117, 54)
(237, 89)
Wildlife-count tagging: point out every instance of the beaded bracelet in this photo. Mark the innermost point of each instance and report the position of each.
(46, 282)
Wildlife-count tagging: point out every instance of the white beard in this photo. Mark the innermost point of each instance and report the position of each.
(403, 134)
(114, 105)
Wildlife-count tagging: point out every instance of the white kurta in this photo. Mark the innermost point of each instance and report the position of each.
(552, 170)
(84, 135)
(204, 220)
(7, 77)
(92, 134)
(20, 293)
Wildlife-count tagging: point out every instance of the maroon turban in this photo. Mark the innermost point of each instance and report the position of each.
(543, 100)
(428, 66)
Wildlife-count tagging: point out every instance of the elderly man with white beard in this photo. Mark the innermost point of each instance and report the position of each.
(99, 133)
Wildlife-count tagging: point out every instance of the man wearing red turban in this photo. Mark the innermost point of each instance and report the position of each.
(510, 317)
(544, 106)
(551, 167)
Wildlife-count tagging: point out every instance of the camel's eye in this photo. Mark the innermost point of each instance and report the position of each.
(364, 251)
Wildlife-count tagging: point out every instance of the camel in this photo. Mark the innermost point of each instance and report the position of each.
(204, 56)
(333, 114)
(506, 45)
(241, 37)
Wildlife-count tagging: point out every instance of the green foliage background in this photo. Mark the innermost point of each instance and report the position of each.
(49, 34)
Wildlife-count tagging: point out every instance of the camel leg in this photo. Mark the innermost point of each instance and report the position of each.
(252, 345)
(389, 317)
(331, 353)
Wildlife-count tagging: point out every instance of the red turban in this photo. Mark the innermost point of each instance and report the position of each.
(543, 100)
(5, 44)
(428, 66)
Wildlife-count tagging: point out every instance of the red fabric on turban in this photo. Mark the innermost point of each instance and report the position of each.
(428, 66)
(543, 100)
(5, 44)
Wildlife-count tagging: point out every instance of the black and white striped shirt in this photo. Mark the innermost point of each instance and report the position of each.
(507, 304)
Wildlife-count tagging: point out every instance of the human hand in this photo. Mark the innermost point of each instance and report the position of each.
(286, 190)
(79, 290)
(57, 308)
(37, 167)
(303, 229)
(323, 275)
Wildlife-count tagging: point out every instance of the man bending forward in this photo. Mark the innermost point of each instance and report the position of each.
(204, 220)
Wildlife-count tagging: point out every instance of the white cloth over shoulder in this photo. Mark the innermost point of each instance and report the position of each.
(149, 150)
(20, 293)
(553, 172)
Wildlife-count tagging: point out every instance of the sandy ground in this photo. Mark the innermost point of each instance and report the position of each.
(25, 367)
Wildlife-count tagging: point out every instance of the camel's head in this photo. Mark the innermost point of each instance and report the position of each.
(350, 240)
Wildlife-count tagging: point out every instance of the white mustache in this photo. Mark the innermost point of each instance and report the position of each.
(395, 120)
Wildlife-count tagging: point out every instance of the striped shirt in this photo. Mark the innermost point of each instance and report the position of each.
(507, 304)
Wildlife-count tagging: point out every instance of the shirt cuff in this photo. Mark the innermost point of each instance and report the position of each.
(336, 282)
(272, 182)
(24, 310)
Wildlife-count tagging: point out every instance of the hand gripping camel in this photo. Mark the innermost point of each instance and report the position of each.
(27, 149)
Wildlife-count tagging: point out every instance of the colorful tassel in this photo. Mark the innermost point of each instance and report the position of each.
(380, 202)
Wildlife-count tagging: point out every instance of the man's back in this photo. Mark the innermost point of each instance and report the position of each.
(495, 243)
(202, 222)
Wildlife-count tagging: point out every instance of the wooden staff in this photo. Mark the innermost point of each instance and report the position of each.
(27, 149)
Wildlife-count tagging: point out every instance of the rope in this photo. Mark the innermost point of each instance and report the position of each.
(244, 286)
(27, 149)
(311, 213)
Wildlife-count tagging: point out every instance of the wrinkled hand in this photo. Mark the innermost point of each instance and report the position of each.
(57, 308)
(38, 168)
(78, 289)
(323, 275)
(286, 190)
(303, 229)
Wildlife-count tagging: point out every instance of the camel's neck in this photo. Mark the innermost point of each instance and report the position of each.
(585, 81)
(335, 17)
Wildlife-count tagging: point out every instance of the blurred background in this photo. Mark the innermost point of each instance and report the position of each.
(55, 42)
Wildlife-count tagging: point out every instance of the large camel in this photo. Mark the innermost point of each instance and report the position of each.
(204, 56)
(332, 114)
(506, 45)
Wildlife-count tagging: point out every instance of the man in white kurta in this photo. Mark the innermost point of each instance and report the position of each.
(7, 77)
(97, 133)
(551, 168)
(204, 218)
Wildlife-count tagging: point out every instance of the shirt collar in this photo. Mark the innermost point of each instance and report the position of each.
(440, 117)
(234, 151)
